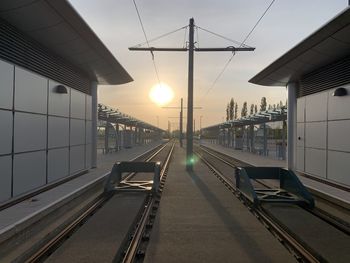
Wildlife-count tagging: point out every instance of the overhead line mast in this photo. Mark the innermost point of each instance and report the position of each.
(191, 49)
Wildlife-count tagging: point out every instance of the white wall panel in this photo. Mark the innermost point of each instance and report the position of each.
(30, 91)
(58, 132)
(301, 109)
(316, 107)
(58, 103)
(88, 131)
(5, 177)
(6, 85)
(315, 162)
(339, 107)
(77, 132)
(88, 156)
(300, 134)
(315, 134)
(300, 165)
(339, 167)
(77, 159)
(88, 107)
(338, 135)
(58, 164)
(30, 132)
(5, 132)
(29, 171)
(77, 104)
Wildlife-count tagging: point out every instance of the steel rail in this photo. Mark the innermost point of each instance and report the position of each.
(57, 240)
(131, 175)
(132, 249)
(323, 215)
(55, 184)
(52, 244)
(295, 247)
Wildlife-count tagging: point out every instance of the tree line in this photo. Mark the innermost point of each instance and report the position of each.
(232, 108)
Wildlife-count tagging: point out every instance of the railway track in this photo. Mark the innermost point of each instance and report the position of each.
(223, 167)
(143, 218)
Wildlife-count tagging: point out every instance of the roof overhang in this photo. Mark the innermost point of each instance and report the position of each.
(58, 27)
(328, 44)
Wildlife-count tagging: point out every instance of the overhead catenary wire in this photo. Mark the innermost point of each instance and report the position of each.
(161, 36)
(241, 45)
(221, 36)
(145, 35)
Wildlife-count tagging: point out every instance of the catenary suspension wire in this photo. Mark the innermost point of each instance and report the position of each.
(185, 37)
(161, 36)
(144, 33)
(233, 54)
(221, 36)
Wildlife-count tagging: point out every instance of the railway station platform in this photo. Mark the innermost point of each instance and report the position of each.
(18, 217)
(199, 220)
(325, 191)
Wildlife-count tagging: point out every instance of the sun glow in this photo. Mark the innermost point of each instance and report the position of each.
(161, 94)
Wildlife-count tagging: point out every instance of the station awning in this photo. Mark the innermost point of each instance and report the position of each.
(111, 115)
(253, 119)
(328, 44)
(59, 28)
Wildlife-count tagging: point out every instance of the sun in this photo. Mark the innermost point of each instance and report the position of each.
(161, 94)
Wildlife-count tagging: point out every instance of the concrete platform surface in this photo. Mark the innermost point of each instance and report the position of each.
(326, 191)
(100, 238)
(21, 215)
(199, 220)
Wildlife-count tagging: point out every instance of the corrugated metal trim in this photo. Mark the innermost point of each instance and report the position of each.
(20, 50)
(328, 77)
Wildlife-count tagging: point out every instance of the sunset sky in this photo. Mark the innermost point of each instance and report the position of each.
(116, 23)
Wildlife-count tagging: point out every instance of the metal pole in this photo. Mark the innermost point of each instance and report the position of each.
(94, 124)
(189, 133)
(181, 113)
(291, 124)
(106, 137)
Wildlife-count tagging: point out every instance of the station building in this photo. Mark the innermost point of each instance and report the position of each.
(50, 65)
(316, 73)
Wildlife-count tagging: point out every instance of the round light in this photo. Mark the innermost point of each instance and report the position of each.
(161, 94)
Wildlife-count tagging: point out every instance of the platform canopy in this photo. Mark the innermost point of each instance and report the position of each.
(106, 113)
(328, 44)
(253, 119)
(59, 28)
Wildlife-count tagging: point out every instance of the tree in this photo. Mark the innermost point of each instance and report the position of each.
(256, 108)
(263, 104)
(244, 110)
(270, 107)
(251, 109)
(236, 110)
(227, 112)
(231, 110)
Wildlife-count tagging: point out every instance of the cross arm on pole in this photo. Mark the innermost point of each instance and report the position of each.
(174, 107)
(156, 49)
(232, 49)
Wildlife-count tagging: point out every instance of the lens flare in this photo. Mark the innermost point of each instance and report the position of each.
(161, 94)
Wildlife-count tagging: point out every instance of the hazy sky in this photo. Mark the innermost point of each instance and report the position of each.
(115, 22)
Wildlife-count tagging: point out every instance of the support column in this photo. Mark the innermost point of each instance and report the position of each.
(106, 137)
(291, 124)
(189, 130)
(94, 124)
(117, 143)
(264, 140)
